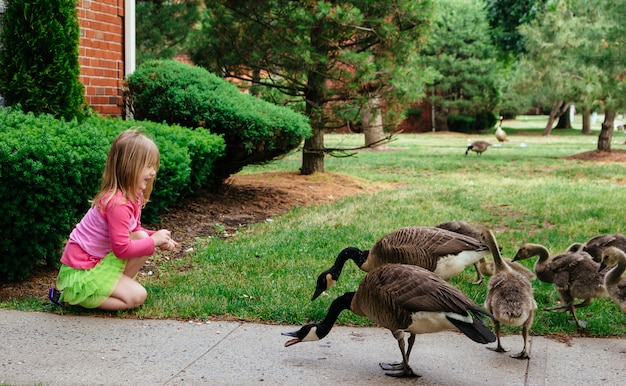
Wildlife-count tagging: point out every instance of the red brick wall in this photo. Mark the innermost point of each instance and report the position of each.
(101, 53)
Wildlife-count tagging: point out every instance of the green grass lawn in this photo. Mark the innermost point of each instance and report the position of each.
(525, 190)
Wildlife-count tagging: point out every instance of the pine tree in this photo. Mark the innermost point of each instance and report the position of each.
(39, 68)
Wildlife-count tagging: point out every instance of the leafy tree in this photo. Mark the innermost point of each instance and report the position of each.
(604, 42)
(164, 27)
(574, 55)
(39, 67)
(505, 16)
(460, 50)
(553, 73)
(334, 56)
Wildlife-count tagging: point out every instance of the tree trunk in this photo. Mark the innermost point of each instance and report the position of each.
(372, 120)
(606, 134)
(255, 89)
(442, 121)
(553, 114)
(313, 153)
(564, 120)
(313, 150)
(586, 122)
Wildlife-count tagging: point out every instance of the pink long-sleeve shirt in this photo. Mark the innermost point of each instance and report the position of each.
(107, 230)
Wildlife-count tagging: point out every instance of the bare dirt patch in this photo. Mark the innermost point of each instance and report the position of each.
(600, 156)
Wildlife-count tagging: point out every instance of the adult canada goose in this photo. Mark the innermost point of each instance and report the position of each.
(466, 229)
(500, 133)
(478, 146)
(483, 267)
(613, 281)
(444, 252)
(404, 298)
(509, 297)
(595, 245)
(574, 274)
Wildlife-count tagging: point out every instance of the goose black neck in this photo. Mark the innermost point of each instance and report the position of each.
(343, 302)
(351, 253)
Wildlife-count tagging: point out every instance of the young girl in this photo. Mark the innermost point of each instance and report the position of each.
(109, 246)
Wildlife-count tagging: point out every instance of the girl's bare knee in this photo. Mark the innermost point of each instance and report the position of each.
(140, 297)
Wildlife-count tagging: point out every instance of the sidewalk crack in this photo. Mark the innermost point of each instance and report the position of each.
(182, 370)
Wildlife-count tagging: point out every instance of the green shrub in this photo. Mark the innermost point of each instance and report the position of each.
(413, 112)
(485, 120)
(255, 131)
(473, 124)
(460, 123)
(39, 67)
(50, 169)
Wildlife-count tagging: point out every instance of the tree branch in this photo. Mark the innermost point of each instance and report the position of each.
(345, 152)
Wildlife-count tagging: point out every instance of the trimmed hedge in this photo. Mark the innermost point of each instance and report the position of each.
(255, 131)
(50, 169)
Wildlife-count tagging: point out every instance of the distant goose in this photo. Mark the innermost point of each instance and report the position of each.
(444, 252)
(574, 274)
(478, 146)
(483, 267)
(615, 283)
(509, 297)
(500, 133)
(404, 298)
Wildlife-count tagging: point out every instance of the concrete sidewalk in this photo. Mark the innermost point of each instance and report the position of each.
(51, 349)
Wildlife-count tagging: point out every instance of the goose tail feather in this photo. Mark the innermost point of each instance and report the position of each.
(477, 330)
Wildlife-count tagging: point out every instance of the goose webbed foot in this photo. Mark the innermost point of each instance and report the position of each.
(522, 355)
(557, 309)
(498, 349)
(579, 323)
(398, 370)
(584, 303)
(391, 366)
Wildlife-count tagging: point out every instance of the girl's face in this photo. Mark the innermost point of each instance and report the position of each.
(147, 174)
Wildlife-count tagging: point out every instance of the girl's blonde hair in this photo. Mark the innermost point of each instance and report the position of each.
(130, 152)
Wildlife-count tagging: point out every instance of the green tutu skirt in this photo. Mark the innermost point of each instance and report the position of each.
(89, 288)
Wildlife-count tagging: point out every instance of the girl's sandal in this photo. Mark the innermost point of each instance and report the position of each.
(55, 297)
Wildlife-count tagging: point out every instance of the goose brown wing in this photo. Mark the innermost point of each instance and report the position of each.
(566, 265)
(422, 246)
(390, 294)
(414, 288)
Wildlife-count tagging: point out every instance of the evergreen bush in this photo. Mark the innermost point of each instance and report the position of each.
(472, 124)
(39, 67)
(460, 123)
(255, 131)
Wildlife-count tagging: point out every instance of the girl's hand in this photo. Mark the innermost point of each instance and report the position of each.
(163, 240)
(169, 246)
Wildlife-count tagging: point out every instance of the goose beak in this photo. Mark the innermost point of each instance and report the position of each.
(293, 341)
(601, 267)
(318, 292)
